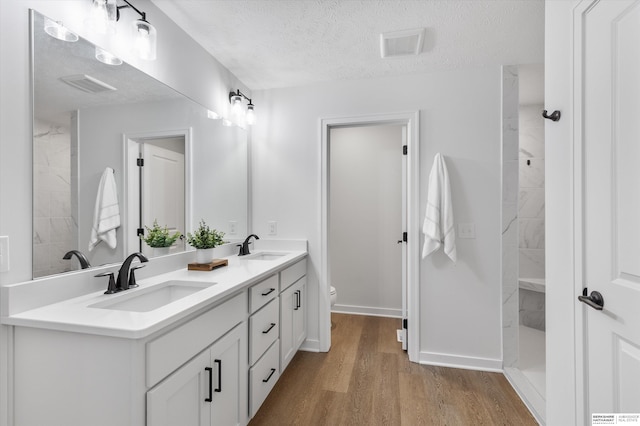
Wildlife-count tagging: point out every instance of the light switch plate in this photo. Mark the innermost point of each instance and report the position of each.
(467, 230)
(272, 227)
(4, 254)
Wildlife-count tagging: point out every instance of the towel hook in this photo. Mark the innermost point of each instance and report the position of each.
(555, 115)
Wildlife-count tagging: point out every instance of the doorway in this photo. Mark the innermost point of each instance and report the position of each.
(366, 218)
(409, 298)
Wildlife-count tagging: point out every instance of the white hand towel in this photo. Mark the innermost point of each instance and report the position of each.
(438, 224)
(106, 215)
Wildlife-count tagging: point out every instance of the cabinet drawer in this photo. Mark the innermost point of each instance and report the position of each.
(169, 351)
(292, 274)
(262, 293)
(263, 376)
(264, 329)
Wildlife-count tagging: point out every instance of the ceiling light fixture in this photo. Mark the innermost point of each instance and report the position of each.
(107, 57)
(235, 99)
(57, 30)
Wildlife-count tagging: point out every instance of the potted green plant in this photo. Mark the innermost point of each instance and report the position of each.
(159, 238)
(204, 240)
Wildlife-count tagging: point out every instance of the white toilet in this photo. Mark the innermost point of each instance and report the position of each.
(333, 296)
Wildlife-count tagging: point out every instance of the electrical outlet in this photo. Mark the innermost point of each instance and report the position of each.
(272, 227)
(233, 227)
(467, 230)
(4, 254)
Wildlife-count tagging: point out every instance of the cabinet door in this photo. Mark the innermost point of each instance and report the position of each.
(299, 314)
(180, 399)
(293, 329)
(229, 379)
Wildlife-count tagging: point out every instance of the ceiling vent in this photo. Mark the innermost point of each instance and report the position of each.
(401, 43)
(87, 84)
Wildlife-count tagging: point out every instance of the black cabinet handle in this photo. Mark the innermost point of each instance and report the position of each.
(273, 324)
(219, 362)
(297, 306)
(210, 371)
(273, 370)
(299, 298)
(271, 290)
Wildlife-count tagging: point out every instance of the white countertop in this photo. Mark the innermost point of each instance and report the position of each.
(77, 315)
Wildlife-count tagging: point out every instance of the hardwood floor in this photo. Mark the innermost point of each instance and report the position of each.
(366, 379)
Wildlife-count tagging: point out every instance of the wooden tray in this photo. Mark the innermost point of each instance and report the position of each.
(215, 263)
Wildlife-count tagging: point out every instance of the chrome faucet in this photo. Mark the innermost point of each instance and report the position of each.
(84, 262)
(126, 278)
(244, 247)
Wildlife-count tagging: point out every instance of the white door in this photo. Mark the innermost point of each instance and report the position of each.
(163, 187)
(611, 203)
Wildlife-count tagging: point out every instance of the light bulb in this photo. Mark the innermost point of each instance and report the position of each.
(251, 115)
(144, 35)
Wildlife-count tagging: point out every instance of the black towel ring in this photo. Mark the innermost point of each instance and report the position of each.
(555, 115)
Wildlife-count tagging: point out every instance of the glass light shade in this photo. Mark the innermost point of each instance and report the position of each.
(226, 123)
(251, 116)
(57, 30)
(144, 40)
(107, 58)
(103, 16)
(236, 106)
(212, 115)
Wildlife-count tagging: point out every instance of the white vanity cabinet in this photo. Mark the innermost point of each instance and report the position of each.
(264, 348)
(293, 317)
(209, 390)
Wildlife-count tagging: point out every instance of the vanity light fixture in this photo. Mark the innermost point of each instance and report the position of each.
(57, 30)
(106, 57)
(213, 115)
(104, 15)
(235, 99)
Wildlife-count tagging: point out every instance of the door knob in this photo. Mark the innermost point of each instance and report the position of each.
(595, 299)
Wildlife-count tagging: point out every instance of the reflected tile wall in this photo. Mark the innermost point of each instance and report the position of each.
(54, 230)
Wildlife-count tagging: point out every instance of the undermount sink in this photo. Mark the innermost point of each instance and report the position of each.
(155, 297)
(265, 256)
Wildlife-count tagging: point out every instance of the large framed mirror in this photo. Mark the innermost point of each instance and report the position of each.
(89, 118)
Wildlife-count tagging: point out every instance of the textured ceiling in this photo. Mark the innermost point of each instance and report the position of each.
(282, 43)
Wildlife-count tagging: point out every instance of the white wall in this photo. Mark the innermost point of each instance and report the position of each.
(365, 218)
(459, 117)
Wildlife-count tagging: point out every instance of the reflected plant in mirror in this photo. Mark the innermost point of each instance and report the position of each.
(87, 116)
(160, 239)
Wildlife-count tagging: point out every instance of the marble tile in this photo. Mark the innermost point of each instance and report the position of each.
(41, 203)
(510, 139)
(509, 224)
(59, 179)
(41, 231)
(532, 174)
(61, 230)
(531, 115)
(60, 204)
(510, 181)
(531, 233)
(531, 142)
(532, 309)
(531, 203)
(531, 263)
(41, 257)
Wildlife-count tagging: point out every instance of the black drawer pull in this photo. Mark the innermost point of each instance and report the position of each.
(210, 371)
(273, 370)
(273, 324)
(271, 290)
(219, 388)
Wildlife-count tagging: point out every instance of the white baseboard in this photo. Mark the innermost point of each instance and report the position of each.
(455, 361)
(367, 310)
(527, 393)
(310, 346)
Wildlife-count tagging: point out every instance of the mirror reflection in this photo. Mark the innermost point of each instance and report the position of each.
(90, 118)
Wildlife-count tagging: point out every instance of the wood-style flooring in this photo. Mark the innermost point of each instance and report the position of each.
(366, 379)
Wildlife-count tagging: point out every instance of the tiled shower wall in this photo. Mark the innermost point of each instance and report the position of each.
(54, 230)
(531, 213)
(531, 192)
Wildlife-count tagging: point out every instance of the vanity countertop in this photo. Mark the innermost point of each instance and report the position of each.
(78, 315)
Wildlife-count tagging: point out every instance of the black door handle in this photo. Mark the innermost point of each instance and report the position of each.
(210, 371)
(219, 362)
(595, 299)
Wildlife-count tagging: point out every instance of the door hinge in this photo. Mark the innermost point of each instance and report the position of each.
(404, 323)
(140, 162)
(404, 149)
(140, 231)
(404, 237)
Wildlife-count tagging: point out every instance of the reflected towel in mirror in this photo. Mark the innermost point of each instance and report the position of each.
(106, 215)
(438, 227)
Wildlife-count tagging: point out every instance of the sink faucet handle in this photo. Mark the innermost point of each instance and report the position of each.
(112, 282)
(132, 276)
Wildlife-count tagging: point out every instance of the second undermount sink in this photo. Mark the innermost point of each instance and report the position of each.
(265, 256)
(155, 297)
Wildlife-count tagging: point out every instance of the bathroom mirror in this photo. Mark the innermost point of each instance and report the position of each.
(89, 116)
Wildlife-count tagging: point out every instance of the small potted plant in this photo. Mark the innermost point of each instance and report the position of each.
(160, 239)
(204, 239)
